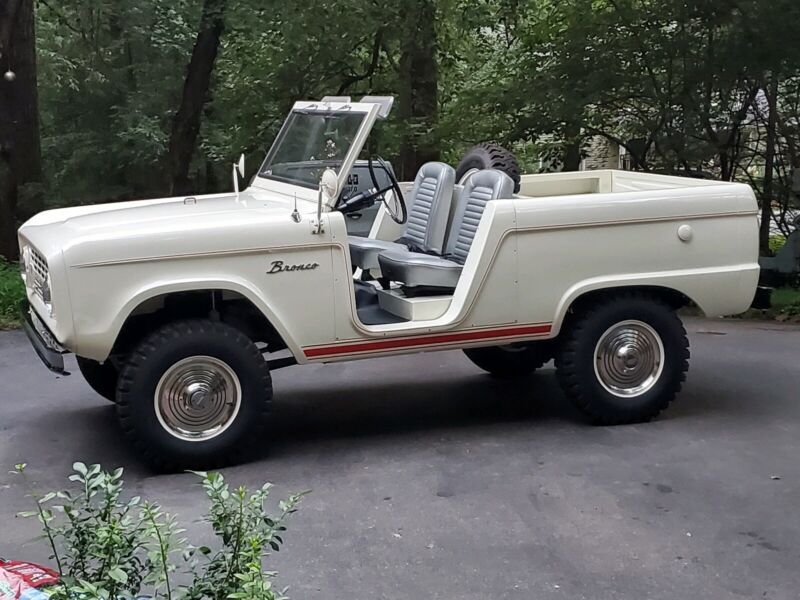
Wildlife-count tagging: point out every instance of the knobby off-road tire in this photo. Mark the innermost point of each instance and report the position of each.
(488, 155)
(102, 378)
(512, 360)
(194, 394)
(623, 359)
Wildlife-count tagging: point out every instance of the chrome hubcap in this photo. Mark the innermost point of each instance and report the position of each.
(629, 358)
(198, 398)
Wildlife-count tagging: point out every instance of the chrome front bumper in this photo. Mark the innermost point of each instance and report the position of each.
(44, 343)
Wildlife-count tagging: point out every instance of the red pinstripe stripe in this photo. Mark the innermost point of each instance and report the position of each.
(427, 340)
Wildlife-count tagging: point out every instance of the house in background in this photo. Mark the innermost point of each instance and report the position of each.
(602, 153)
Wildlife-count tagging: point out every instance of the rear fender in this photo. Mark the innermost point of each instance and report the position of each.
(717, 291)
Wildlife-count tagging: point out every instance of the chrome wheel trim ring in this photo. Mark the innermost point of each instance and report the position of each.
(198, 398)
(629, 359)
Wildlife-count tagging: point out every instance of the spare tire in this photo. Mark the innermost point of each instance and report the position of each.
(488, 155)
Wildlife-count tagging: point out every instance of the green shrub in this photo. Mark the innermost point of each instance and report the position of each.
(776, 242)
(105, 547)
(785, 303)
(791, 310)
(12, 293)
(784, 296)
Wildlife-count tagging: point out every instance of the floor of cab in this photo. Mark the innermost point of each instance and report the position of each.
(369, 309)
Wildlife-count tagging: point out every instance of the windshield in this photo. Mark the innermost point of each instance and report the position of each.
(309, 143)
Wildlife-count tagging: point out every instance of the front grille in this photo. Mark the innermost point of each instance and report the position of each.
(38, 266)
(37, 273)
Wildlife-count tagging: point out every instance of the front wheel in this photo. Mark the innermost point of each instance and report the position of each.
(623, 360)
(194, 395)
(102, 378)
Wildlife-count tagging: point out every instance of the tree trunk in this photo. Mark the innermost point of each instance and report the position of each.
(20, 149)
(769, 166)
(419, 88)
(8, 209)
(186, 122)
(571, 157)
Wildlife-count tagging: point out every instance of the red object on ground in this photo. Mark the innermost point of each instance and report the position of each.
(32, 574)
(19, 580)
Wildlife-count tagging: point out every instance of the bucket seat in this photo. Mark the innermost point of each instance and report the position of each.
(423, 273)
(431, 198)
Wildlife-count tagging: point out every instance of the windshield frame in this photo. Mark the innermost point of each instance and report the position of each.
(309, 192)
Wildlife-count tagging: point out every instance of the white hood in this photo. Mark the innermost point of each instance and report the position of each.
(162, 227)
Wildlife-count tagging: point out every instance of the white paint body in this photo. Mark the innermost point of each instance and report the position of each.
(564, 235)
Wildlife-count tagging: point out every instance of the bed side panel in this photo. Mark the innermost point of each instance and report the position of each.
(568, 246)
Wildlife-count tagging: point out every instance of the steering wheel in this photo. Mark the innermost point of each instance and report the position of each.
(397, 208)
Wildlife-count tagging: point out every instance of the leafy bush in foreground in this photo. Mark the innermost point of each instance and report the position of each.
(105, 547)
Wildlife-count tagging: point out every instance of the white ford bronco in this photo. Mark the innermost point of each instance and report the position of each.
(178, 308)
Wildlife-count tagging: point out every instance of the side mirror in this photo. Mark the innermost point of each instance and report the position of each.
(328, 184)
(240, 166)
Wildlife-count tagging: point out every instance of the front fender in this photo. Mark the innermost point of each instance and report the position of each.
(97, 335)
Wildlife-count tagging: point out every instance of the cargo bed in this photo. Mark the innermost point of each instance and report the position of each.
(600, 182)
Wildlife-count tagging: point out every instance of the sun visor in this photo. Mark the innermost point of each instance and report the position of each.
(336, 99)
(385, 103)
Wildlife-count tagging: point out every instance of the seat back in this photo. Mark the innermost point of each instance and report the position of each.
(482, 186)
(430, 198)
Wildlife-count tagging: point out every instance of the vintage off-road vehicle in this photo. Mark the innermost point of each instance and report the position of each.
(178, 308)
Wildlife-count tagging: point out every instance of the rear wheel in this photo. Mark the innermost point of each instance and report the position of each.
(512, 360)
(101, 377)
(623, 360)
(194, 394)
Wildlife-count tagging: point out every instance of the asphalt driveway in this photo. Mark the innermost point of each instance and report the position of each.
(431, 480)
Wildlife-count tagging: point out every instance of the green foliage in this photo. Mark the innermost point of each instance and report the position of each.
(776, 242)
(786, 303)
(105, 546)
(681, 86)
(110, 73)
(247, 533)
(791, 311)
(12, 294)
